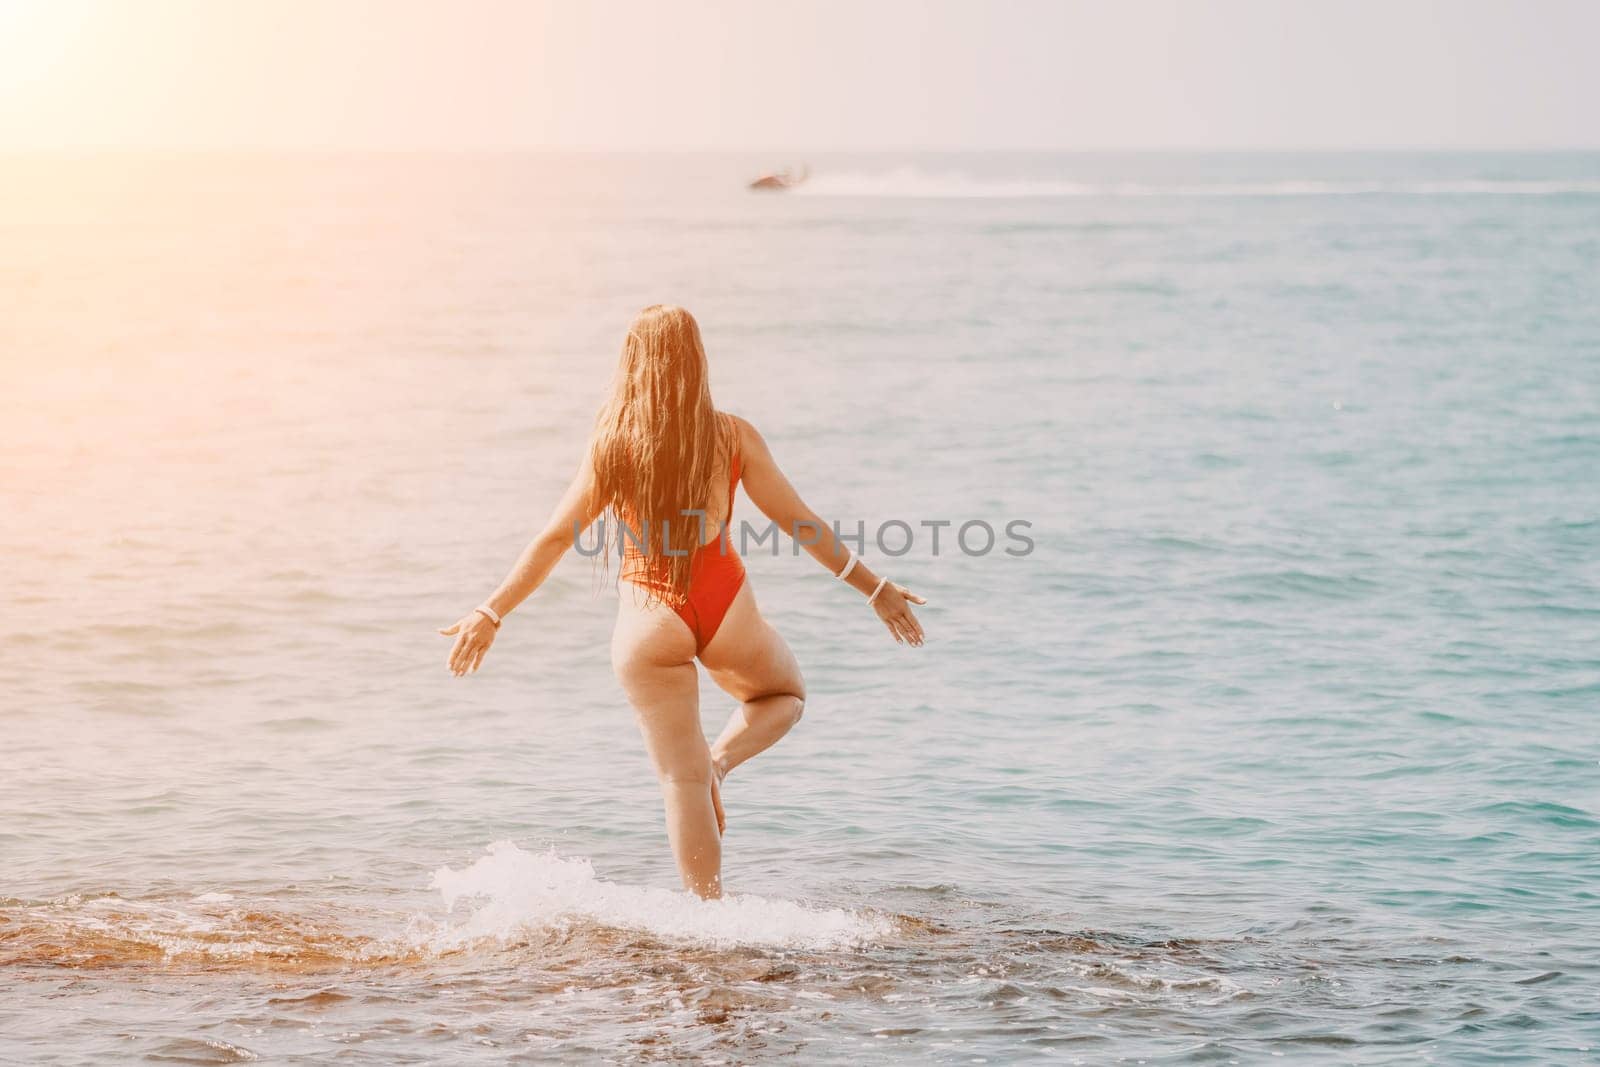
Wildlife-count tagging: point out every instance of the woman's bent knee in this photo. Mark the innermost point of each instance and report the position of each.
(795, 705)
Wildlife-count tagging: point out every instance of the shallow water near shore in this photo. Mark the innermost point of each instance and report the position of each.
(1281, 743)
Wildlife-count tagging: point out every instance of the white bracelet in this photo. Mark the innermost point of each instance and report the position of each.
(881, 583)
(489, 613)
(848, 567)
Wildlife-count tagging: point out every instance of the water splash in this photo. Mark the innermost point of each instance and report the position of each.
(501, 900)
(516, 891)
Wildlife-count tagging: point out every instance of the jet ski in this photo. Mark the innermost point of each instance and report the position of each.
(780, 179)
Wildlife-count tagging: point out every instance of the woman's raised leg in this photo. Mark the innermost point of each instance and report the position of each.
(653, 654)
(750, 661)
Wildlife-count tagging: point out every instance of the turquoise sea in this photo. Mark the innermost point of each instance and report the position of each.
(1282, 743)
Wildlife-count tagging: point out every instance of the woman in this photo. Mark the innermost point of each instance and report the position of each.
(664, 462)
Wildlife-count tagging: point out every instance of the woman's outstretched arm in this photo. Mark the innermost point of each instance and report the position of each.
(475, 631)
(770, 490)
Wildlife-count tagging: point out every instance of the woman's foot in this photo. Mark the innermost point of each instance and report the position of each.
(718, 773)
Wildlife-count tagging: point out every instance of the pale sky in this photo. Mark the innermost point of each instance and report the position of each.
(804, 75)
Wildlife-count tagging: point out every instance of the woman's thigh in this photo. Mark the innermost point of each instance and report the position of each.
(748, 658)
(652, 652)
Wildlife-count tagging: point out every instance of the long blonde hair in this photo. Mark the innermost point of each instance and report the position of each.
(658, 441)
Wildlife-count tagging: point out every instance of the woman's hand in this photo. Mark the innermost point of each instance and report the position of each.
(474, 633)
(894, 608)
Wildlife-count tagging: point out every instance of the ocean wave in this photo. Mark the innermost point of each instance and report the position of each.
(209, 929)
(913, 183)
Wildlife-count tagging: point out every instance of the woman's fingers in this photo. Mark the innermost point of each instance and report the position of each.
(466, 655)
(901, 621)
(909, 626)
(450, 630)
(461, 654)
(904, 628)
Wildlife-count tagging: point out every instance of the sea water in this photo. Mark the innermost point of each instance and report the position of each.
(1283, 741)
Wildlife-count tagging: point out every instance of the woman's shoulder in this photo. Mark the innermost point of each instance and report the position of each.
(742, 431)
(748, 443)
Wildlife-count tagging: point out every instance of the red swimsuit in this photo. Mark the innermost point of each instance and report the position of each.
(716, 574)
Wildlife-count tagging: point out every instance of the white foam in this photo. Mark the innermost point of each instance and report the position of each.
(511, 892)
(915, 183)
